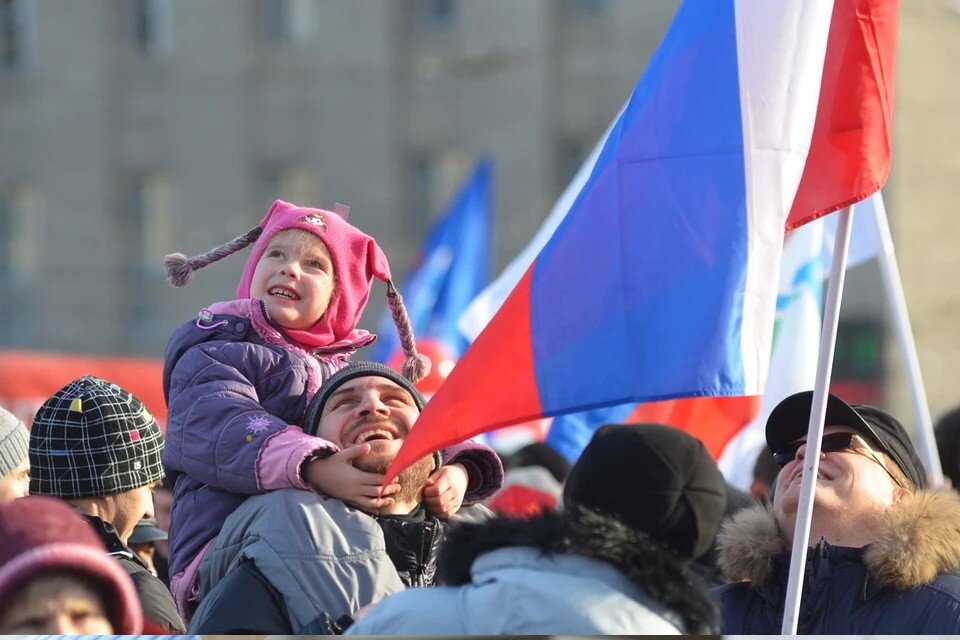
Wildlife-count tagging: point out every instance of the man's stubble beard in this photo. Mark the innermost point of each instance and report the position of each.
(412, 479)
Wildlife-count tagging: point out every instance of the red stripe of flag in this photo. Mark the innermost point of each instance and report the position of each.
(504, 371)
(850, 151)
(712, 420)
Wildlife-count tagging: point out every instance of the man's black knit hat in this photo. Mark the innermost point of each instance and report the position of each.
(311, 420)
(655, 479)
(91, 439)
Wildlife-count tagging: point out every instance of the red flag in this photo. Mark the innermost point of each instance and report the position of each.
(28, 378)
(849, 156)
(713, 420)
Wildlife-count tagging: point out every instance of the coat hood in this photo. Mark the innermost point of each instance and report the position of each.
(651, 566)
(919, 539)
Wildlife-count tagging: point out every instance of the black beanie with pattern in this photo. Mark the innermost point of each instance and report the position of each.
(93, 438)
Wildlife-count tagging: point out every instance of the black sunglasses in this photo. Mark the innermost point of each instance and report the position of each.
(839, 441)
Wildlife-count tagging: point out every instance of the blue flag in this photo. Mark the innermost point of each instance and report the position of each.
(453, 267)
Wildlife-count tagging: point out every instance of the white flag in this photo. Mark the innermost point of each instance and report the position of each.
(793, 363)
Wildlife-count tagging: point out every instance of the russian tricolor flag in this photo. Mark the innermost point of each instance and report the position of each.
(661, 281)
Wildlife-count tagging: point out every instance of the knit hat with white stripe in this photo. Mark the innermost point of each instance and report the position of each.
(93, 438)
(13, 442)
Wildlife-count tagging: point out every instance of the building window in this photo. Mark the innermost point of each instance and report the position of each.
(571, 153)
(148, 236)
(437, 13)
(152, 27)
(435, 177)
(151, 215)
(19, 248)
(586, 8)
(17, 31)
(291, 182)
(289, 22)
(858, 362)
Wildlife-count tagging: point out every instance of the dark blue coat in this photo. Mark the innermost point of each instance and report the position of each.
(840, 597)
(906, 582)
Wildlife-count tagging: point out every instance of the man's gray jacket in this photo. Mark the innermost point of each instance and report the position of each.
(322, 558)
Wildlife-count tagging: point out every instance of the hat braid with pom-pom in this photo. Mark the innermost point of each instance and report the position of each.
(179, 268)
(416, 366)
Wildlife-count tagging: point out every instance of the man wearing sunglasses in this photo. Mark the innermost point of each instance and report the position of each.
(886, 554)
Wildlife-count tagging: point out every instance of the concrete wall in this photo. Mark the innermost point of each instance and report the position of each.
(355, 111)
(373, 89)
(924, 196)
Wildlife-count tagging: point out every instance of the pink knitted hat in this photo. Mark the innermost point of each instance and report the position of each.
(40, 535)
(356, 261)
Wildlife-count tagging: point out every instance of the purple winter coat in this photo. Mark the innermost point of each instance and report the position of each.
(236, 389)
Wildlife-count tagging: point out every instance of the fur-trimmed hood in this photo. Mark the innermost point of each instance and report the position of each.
(919, 539)
(654, 568)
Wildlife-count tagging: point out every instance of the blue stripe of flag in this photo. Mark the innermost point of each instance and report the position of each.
(632, 297)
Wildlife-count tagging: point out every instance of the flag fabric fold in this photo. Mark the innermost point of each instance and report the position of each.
(850, 154)
(732, 429)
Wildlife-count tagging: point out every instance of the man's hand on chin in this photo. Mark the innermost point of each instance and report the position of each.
(337, 477)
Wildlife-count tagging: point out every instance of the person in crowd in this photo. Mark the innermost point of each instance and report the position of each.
(143, 542)
(238, 379)
(309, 561)
(765, 472)
(163, 504)
(539, 454)
(707, 567)
(96, 446)
(885, 551)
(639, 505)
(55, 576)
(947, 434)
(533, 481)
(14, 460)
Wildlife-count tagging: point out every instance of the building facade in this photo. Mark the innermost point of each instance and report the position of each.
(133, 128)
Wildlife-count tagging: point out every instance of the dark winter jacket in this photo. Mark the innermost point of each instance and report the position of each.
(309, 561)
(236, 390)
(413, 544)
(574, 573)
(904, 583)
(232, 394)
(155, 599)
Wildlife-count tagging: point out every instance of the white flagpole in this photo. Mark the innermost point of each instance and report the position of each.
(908, 346)
(818, 411)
